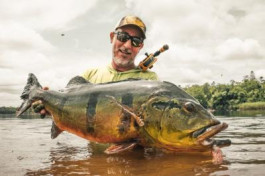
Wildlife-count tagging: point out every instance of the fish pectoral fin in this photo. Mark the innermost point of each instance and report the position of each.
(55, 131)
(117, 148)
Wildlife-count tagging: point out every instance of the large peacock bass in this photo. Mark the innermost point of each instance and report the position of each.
(128, 113)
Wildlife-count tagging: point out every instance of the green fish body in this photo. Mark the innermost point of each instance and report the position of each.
(147, 113)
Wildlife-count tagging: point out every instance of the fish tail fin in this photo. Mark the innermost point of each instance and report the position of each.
(32, 83)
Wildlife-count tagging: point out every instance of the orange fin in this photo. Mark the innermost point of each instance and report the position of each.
(117, 148)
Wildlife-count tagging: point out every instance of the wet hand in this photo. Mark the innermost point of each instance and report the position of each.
(217, 155)
(38, 107)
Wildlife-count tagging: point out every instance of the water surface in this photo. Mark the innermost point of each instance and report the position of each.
(27, 149)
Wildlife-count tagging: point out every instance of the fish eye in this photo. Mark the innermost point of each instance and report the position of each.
(189, 107)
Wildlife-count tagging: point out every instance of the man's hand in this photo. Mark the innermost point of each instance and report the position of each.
(38, 107)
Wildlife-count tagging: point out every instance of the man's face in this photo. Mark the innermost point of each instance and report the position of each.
(124, 53)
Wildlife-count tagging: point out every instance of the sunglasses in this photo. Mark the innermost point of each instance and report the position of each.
(123, 37)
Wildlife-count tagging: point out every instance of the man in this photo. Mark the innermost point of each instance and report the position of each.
(127, 40)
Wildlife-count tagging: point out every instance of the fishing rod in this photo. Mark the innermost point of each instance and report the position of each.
(150, 59)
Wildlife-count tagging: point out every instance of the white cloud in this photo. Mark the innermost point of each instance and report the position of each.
(40, 14)
(15, 36)
(238, 49)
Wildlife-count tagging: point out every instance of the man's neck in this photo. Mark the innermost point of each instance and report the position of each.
(122, 69)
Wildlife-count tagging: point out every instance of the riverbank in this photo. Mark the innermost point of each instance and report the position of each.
(252, 106)
(7, 110)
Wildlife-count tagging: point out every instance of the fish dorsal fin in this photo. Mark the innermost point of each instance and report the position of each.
(55, 131)
(117, 148)
(77, 80)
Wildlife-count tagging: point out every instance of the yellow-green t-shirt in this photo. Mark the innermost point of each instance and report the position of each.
(109, 74)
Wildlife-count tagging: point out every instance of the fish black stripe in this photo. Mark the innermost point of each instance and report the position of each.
(91, 111)
(127, 99)
(91, 105)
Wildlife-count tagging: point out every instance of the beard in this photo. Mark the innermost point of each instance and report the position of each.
(122, 62)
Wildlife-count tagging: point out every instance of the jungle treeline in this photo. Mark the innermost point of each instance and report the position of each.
(248, 94)
(7, 110)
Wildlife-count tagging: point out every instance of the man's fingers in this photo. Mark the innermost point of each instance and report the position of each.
(43, 111)
(45, 88)
(38, 108)
(36, 103)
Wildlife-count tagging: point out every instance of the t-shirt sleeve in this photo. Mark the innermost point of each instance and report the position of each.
(89, 73)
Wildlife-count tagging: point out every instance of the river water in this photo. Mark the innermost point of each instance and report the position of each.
(27, 149)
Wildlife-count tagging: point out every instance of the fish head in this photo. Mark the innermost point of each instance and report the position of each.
(179, 124)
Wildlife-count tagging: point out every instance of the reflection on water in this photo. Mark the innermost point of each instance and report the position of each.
(131, 163)
(27, 149)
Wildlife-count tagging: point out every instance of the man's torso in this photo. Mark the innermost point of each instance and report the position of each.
(108, 74)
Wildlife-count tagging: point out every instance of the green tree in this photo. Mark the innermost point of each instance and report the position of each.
(229, 96)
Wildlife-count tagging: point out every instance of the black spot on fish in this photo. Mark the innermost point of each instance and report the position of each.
(90, 128)
(127, 99)
(121, 128)
(163, 105)
(91, 111)
(125, 122)
(135, 124)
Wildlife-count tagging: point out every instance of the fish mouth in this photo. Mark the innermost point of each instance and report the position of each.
(204, 135)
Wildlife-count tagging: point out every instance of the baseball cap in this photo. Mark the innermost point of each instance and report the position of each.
(132, 20)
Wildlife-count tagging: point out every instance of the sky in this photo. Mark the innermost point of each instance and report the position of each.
(209, 40)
